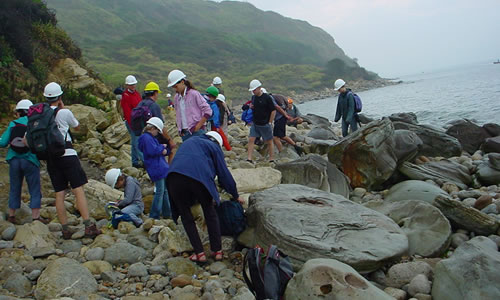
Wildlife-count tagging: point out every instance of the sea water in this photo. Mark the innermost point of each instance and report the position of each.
(471, 92)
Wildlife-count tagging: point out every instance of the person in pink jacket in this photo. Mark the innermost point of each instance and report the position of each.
(191, 109)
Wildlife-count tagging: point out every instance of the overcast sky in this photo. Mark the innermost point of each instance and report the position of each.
(403, 37)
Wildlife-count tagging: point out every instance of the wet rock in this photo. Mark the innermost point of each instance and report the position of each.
(306, 222)
(488, 172)
(471, 136)
(65, 277)
(492, 145)
(469, 271)
(330, 279)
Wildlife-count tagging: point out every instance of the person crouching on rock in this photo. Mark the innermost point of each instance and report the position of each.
(131, 203)
(156, 166)
(191, 180)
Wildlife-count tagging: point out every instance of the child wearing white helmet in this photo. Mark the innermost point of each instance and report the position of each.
(156, 166)
(22, 163)
(131, 203)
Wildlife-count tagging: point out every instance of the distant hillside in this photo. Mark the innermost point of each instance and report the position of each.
(234, 40)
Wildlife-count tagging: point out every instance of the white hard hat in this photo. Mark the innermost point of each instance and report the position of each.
(174, 77)
(217, 80)
(168, 95)
(112, 176)
(24, 104)
(52, 90)
(221, 98)
(263, 90)
(156, 122)
(216, 136)
(254, 84)
(339, 83)
(130, 80)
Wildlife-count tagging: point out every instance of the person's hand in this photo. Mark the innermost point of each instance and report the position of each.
(289, 118)
(241, 200)
(172, 144)
(164, 152)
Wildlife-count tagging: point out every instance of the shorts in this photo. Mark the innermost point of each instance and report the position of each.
(279, 129)
(264, 131)
(64, 170)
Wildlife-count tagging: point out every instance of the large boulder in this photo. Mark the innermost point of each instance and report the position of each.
(469, 134)
(331, 279)
(65, 277)
(472, 272)
(90, 119)
(407, 144)
(404, 117)
(488, 171)
(98, 194)
(492, 145)
(492, 129)
(427, 229)
(366, 156)
(308, 223)
(68, 72)
(314, 145)
(439, 171)
(315, 172)
(414, 190)
(466, 217)
(116, 135)
(316, 121)
(321, 133)
(252, 180)
(435, 142)
(123, 252)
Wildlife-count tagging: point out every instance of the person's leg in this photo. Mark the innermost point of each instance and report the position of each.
(156, 207)
(251, 145)
(16, 183)
(267, 135)
(345, 127)
(81, 202)
(165, 207)
(134, 211)
(271, 149)
(211, 219)
(354, 124)
(32, 174)
(61, 209)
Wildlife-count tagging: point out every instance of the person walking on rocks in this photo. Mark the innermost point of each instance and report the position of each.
(156, 166)
(130, 98)
(67, 169)
(191, 109)
(191, 180)
(264, 111)
(131, 203)
(345, 108)
(22, 164)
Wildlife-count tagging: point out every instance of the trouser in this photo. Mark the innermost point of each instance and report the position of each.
(134, 211)
(186, 134)
(136, 154)
(345, 126)
(161, 203)
(186, 192)
(18, 169)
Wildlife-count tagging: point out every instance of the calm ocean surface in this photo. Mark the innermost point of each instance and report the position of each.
(471, 92)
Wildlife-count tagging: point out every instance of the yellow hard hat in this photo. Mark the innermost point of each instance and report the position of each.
(152, 86)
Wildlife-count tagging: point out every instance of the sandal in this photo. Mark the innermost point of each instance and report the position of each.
(199, 258)
(218, 256)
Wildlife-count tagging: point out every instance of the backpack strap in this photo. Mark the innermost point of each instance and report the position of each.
(256, 286)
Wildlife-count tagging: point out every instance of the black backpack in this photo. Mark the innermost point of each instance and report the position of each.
(43, 136)
(232, 218)
(269, 274)
(140, 115)
(17, 134)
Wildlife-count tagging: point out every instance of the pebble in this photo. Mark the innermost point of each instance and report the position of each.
(9, 233)
(95, 254)
(6, 244)
(395, 293)
(458, 239)
(490, 209)
(469, 202)
(496, 239)
(469, 194)
(419, 285)
(483, 201)
(33, 275)
(217, 267)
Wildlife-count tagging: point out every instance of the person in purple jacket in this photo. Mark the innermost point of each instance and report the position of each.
(156, 166)
(191, 180)
(191, 109)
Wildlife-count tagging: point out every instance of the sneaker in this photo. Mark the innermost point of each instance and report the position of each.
(92, 231)
(66, 234)
(299, 149)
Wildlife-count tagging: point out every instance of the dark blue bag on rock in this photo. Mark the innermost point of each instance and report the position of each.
(119, 216)
(232, 218)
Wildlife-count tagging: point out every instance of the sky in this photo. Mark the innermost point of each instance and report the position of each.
(403, 37)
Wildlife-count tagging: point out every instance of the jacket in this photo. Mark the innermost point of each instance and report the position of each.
(196, 108)
(154, 161)
(4, 142)
(247, 116)
(129, 101)
(132, 193)
(345, 107)
(215, 118)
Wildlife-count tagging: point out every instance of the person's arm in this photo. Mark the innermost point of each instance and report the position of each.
(151, 147)
(4, 140)
(273, 114)
(206, 111)
(226, 180)
(337, 113)
(128, 196)
(350, 108)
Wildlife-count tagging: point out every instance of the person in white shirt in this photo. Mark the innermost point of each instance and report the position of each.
(67, 169)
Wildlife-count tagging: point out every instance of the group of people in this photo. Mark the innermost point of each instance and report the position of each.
(183, 176)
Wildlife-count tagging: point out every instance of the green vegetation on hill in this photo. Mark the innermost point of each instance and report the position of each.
(204, 39)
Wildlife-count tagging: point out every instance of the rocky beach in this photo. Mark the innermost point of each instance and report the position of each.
(396, 210)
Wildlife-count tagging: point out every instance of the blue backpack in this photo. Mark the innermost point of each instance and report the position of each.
(119, 216)
(232, 218)
(358, 105)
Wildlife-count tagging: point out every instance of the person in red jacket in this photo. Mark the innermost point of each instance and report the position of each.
(130, 99)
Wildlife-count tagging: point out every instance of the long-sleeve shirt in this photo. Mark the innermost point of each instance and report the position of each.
(4, 141)
(132, 193)
(129, 101)
(345, 107)
(195, 108)
(154, 161)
